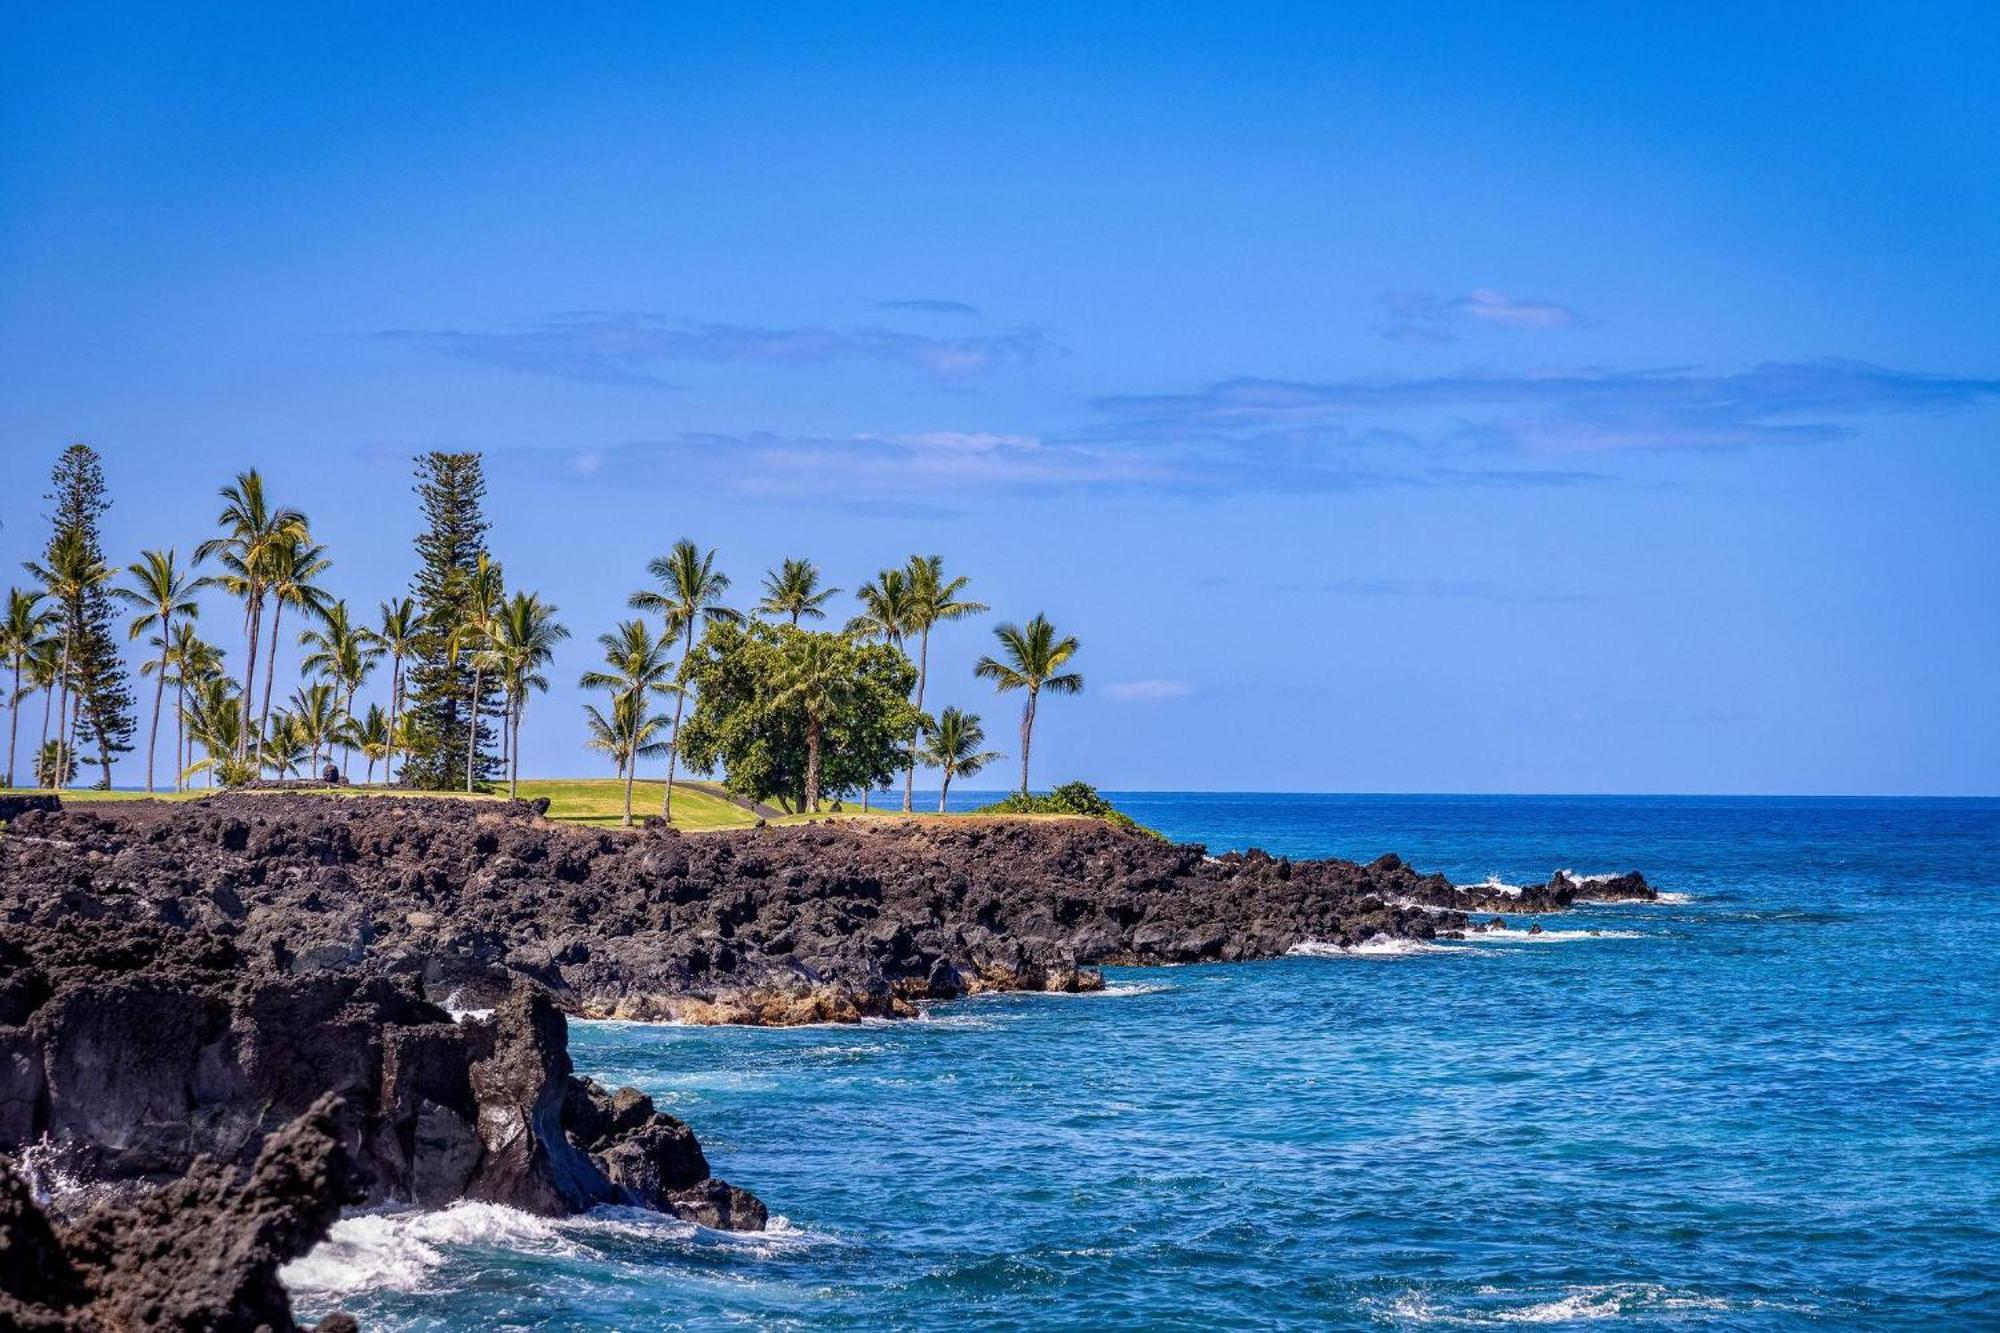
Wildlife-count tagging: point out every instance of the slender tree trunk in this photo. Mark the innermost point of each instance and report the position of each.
(183, 760)
(14, 721)
(923, 672)
(61, 769)
(631, 769)
(270, 674)
(159, 694)
(347, 750)
(472, 732)
(1027, 734)
(812, 766)
(944, 790)
(674, 746)
(395, 710)
(514, 773)
(253, 622)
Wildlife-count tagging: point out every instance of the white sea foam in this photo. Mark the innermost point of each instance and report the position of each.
(1513, 935)
(1492, 884)
(1664, 900)
(1575, 1304)
(1378, 946)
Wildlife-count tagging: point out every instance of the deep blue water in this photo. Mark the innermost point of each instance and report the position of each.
(1773, 1105)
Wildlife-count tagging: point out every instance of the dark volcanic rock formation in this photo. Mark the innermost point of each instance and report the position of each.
(774, 925)
(130, 1048)
(200, 1253)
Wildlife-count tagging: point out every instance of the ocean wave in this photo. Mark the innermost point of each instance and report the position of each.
(1571, 1305)
(1512, 935)
(1492, 884)
(1378, 946)
(1664, 900)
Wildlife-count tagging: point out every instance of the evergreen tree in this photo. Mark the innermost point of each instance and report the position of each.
(450, 490)
(104, 719)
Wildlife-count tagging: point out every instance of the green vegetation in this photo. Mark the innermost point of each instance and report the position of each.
(1032, 659)
(1072, 798)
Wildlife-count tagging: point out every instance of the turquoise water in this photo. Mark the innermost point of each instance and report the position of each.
(1773, 1105)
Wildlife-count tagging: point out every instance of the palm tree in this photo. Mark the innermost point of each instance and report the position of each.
(628, 735)
(69, 576)
(185, 658)
(636, 666)
(400, 634)
(284, 748)
(214, 721)
(291, 566)
(44, 668)
(345, 655)
(819, 683)
(933, 600)
(370, 735)
(23, 633)
(316, 714)
(885, 608)
(161, 591)
(792, 589)
(1034, 661)
(953, 745)
(690, 590)
(251, 528)
(524, 639)
(482, 593)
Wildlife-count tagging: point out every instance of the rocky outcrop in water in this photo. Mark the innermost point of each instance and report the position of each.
(773, 925)
(131, 1048)
(200, 1253)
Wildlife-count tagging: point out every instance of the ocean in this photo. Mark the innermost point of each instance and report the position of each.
(1772, 1102)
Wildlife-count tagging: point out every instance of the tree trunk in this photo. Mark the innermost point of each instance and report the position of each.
(680, 702)
(812, 766)
(61, 769)
(183, 759)
(48, 699)
(1027, 735)
(270, 673)
(253, 621)
(944, 790)
(630, 769)
(395, 711)
(13, 721)
(514, 773)
(159, 694)
(923, 671)
(472, 731)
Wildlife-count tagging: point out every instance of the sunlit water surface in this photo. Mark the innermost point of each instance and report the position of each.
(1772, 1104)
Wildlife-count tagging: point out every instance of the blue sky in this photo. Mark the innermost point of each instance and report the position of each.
(1461, 398)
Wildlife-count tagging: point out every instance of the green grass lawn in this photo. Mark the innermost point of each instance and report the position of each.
(599, 802)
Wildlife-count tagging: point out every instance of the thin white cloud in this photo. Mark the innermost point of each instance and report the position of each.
(1424, 317)
(1147, 691)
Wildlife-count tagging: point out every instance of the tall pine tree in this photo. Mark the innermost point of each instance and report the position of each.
(103, 720)
(450, 490)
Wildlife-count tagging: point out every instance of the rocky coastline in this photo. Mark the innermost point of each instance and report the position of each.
(254, 1008)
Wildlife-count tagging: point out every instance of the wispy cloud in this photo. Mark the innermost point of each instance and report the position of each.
(1424, 317)
(635, 348)
(1147, 691)
(1563, 409)
(927, 306)
(1470, 590)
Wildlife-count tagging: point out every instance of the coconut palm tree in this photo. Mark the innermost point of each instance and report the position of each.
(690, 590)
(952, 745)
(399, 634)
(23, 633)
(1032, 658)
(628, 734)
(315, 713)
(214, 722)
(819, 683)
(251, 528)
(524, 639)
(792, 589)
(933, 600)
(484, 589)
(636, 667)
(44, 667)
(185, 658)
(344, 654)
(161, 591)
(370, 735)
(68, 577)
(885, 608)
(290, 568)
(283, 751)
